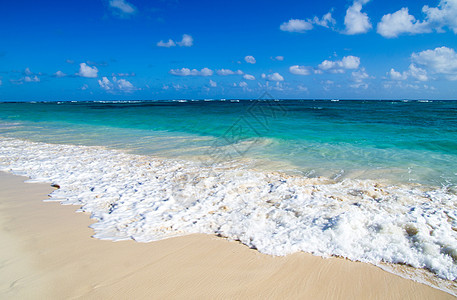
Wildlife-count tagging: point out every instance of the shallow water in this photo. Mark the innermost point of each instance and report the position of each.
(405, 141)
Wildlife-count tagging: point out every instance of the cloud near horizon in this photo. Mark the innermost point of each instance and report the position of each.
(116, 85)
(193, 72)
(87, 71)
(339, 66)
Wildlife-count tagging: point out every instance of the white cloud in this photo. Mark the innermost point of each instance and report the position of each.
(394, 75)
(441, 60)
(187, 41)
(243, 84)
(250, 59)
(105, 84)
(401, 22)
(392, 25)
(359, 77)
(418, 73)
(87, 71)
(350, 62)
(27, 72)
(356, 21)
(84, 87)
(300, 70)
(443, 15)
(212, 83)
(193, 72)
(168, 44)
(296, 25)
(225, 72)
(124, 85)
(273, 77)
(339, 66)
(31, 79)
(59, 74)
(123, 7)
(278, 58)
(248, 77)
(325, 21)
(116, 85)
(413, 71)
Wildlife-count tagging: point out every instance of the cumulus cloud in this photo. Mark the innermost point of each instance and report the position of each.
(116, 85)
(122, 7)
(273, 77)
(401, 22)
(442, 60)
(325, 21)
(392, 25)
(356, 21)
(300, 70)
(193, 72)
(278, 58)
(87, 71)
(394, 75)
(59, 74)
(296, 25)
(443, 15)
(413, 71)
(339, 66)
(168, 44)
(31, 79)
(250, 59)
(242, 84)
(28, 72)
(248, 77)
(359, 77)
(225, 72)
(186, 41)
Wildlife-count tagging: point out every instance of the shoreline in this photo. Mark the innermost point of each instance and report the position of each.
(47, 251)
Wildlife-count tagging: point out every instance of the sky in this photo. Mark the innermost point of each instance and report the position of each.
(176, 49)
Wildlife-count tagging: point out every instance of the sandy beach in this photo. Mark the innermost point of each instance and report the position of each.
(47, 252)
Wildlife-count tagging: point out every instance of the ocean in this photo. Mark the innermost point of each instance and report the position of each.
(372, 181)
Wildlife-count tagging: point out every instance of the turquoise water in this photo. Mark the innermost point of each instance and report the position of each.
(386, 140)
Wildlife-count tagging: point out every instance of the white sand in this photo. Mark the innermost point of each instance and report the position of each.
(47, 252)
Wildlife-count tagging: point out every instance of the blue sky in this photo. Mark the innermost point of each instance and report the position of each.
(131, 49)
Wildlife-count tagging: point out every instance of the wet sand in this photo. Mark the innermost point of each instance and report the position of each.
(47, 252)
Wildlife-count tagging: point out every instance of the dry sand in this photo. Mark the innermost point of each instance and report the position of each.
(46, 251)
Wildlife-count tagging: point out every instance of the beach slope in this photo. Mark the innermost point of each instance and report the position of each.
(46, 251)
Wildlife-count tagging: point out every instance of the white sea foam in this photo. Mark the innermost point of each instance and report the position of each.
(146, 199)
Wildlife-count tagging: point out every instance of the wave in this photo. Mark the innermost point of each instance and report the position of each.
(146, 199)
